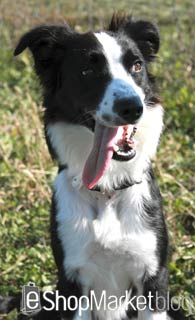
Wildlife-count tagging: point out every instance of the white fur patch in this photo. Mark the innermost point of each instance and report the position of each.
(72, 144)
(107, 242)
(113, 53)
(122, 82)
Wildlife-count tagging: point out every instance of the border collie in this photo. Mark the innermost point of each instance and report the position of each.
(103, 120)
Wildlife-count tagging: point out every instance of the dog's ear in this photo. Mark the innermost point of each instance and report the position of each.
(144, 33)
(47, 44)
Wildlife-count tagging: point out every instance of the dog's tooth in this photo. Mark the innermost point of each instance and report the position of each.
(116, 148)
(133, 133)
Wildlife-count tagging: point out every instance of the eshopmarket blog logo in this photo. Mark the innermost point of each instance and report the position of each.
(30, 299)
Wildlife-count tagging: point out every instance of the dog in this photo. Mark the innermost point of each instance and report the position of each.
(103, 120)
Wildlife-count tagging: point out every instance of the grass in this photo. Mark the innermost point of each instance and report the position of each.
(26, 171)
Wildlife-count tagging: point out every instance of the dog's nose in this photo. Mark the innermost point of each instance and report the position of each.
(129, 109)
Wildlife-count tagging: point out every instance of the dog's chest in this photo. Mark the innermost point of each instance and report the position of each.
(105, 242)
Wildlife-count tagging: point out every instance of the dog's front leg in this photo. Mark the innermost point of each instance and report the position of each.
(84, 312)
(154, 290)
(79, 308)
(152, 315)
(84, 315)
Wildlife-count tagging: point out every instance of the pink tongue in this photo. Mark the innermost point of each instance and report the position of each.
(100, 156)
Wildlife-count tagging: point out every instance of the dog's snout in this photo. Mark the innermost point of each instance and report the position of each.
(129, 109)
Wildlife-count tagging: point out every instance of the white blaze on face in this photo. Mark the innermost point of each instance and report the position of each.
(122, 82)
(121, 87)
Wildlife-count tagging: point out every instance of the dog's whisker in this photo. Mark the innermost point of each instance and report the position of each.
(83, 116)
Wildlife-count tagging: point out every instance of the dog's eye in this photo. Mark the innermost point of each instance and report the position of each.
(137, 67)
(87, 72)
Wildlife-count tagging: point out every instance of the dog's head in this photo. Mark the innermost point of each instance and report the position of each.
(97, 93)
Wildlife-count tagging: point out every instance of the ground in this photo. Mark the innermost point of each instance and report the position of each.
(26, 170)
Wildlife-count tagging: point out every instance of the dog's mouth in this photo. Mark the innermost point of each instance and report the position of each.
(109, 143)
(124, 148)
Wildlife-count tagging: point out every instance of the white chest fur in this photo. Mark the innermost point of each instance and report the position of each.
(106, 241)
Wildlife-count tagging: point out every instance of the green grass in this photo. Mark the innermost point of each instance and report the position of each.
(26, 171)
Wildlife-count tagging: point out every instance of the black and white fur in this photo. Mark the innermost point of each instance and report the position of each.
(109, 240)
